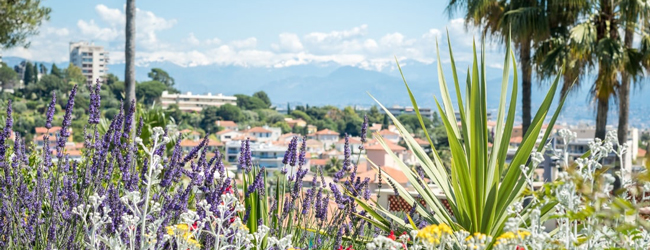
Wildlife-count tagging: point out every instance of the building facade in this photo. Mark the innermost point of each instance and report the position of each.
(191, 102)
(90, 58)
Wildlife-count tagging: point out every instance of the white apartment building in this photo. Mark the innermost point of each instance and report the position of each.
(191, 102)
(90, 58)
(264, 155)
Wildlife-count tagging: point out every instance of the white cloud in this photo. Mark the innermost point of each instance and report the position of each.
(289, 42)
(248, 43)
(350, 47)
(94, 32)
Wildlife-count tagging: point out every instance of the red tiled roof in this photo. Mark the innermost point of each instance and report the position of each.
(352, 140)
(516, 139)
(327, 132)
(43, 130)
(397, 174)
(193, 143)
(391, 145)
(225, 131)
(641, 153)
(421, 142)
(318, 162)
(226, 123)
(387, 132)
(189, 131)
(259, 130)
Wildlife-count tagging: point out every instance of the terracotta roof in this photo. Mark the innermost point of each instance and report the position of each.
(225, 131)
(421, 142)
(397, 174)
(193, 143)
(226, 123)
(491, 124)
(352, 140)
(43, 130)
(377, 146)
(314, 142)
(327, 132)
(318, 162)
(259, 130)
(387, 132)
(375, 127)
(516, 139)
(641, 153)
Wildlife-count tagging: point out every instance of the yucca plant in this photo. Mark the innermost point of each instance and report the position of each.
(480, 185)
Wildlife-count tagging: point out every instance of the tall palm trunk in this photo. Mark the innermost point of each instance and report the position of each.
(624, 93)
(526, 83)
(129, 55)
(601, 117)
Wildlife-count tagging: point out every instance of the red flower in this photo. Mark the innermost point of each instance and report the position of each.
(349, 248)
(520, 248)
(193, 227)
(340, 247)
(392, 235)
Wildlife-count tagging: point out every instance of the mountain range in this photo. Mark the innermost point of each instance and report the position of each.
(332, 84)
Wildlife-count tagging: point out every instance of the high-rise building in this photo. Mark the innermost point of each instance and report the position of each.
(192, 102)
(92, 59)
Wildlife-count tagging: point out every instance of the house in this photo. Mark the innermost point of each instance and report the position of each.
(263, 154)
(390, 135)
(374, 128)
(376, 154)
(641, 157)
(395, 173)
(191, 134)
(188, 144)
(311, 129)
(288, 136)
(52, 133)
(228, 135)
(328, 137)
(315, 146)
(355, 143)
(318, 163)
(295, 122)
(265, 134)
(227, 125)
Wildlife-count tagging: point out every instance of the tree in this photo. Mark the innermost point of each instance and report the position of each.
(332, 166)
(288, 108)
(28, 74)
(301, 115)
(230, 113)
(384, 123)
(209, 117)
(56, 71)
(129, 57)
(149, 91)
(49, 83)
(73, 75)
(19, 20)
(110, 79)
(35, 71)
(8, 77)
(160, 75)
(413, 121)
(250, 102)
(263, 96)
(631, 13)
(42, 69)
(596, 42)
(374, 116)
(524, 22)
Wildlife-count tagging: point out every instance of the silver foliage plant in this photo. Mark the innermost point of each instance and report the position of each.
(141, 207)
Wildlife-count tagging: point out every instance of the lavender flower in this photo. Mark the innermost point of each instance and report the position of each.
(303, 151)
(364, 131)
(287, 154)
(50, 111)
(139, 129)
(346, 153)
(95, 100)
(67, 118)
(128, 122)
(258, 184)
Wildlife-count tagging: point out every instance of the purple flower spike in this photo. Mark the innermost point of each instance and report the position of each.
(95, 100)
(364, 130)
(303, 151)
(50, 112)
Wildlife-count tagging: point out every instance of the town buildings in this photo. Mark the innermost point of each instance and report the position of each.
(193, 102)
(90, 58)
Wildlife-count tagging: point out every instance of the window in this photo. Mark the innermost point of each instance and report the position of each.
(101, 59)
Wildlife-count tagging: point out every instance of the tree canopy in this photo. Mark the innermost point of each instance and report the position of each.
(19, 20)
(162, 76)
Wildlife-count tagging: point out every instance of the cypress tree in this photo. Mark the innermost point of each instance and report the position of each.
(28, 72)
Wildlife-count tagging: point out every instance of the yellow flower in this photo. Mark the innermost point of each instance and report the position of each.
(433, 233)
(186, 234)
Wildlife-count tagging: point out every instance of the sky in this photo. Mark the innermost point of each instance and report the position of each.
(361, 33)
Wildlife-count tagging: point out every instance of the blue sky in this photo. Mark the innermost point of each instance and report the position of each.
(281, 33)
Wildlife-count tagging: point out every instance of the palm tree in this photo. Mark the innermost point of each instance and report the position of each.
(633, 13)
(129, 55)
(594, 41)
(527, 21)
